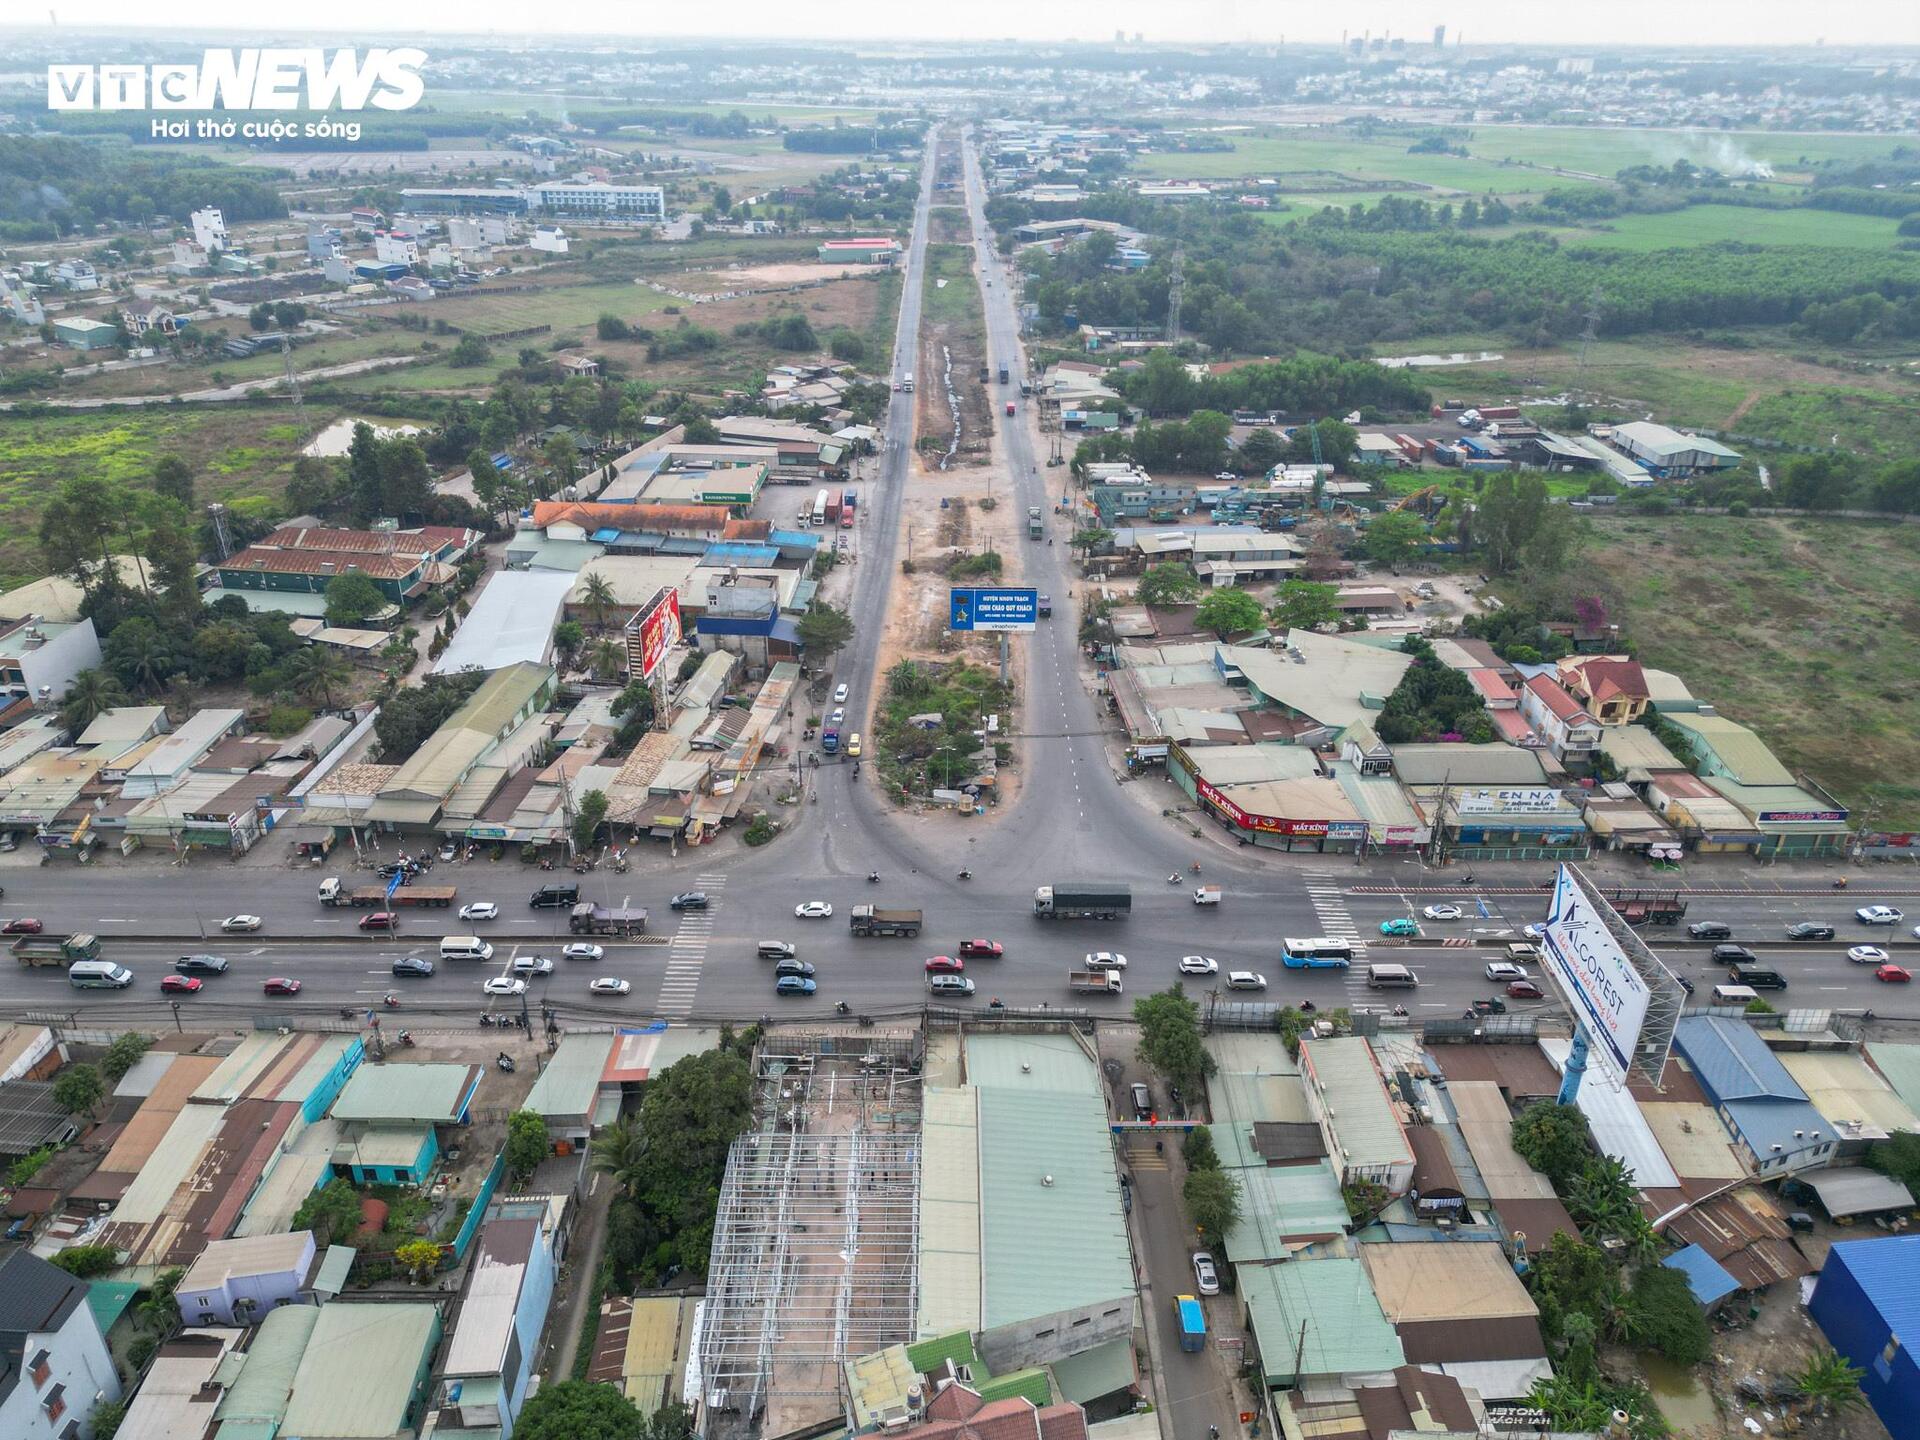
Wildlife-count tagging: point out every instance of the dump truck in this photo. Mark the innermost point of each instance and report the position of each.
(1036, 525)
(1193, 1322)
(872, 920)
(1082, 900)
(1094, 982)
(1644, 907)
(56, 949)
(588, 919)
(375, 897)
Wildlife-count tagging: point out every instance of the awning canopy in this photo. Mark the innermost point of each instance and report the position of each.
(1706, 1277)
(1857, 1192)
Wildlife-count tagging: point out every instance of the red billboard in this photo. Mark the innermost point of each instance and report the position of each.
(653, 632)
(1271, 824)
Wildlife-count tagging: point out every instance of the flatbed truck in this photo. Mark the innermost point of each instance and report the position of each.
(39, 950)
(1082, 901)
(375, 897)
(1644, 907)
(1094, 982)
(871, 920)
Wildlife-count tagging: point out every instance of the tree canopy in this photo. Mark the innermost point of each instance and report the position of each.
(1171, 582)
(1170, 1037)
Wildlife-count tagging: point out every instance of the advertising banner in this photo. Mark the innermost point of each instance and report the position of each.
(1608, 995)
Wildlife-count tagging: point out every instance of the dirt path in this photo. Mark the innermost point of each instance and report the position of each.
(1754, 397)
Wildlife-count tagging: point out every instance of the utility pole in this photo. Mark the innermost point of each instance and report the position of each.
(1587, 335)
(1175, 284)
(1436, 846)
(293, 380)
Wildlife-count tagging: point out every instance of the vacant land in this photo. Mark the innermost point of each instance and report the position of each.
(1807, 630)
(953, 347)
(1708, 224)
(567, 308)
(1319, 159)
(1605, 152)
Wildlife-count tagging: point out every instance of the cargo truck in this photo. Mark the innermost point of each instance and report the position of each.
(1643, 907)
(375, 897)
(56, 949)
(588, 919)
(1036, 526)
(1004, 376)
(871, 920)
(1082, 901)
(1193, 1322)
(1094, 982)
(1207, 895)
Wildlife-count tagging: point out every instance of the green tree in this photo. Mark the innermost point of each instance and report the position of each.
(84, 1262)
(419, 1258)
(691, 1113)
(1553, 1139)
(78, 1089)
(332, 1212)
(1365, 1199)
(1162, 385)
(352, 598)
(1170, 1037)
(580, 1410)
(1510, 515)
(1304, 605)
(1228, 612)
(825, 630)
(1169, 583)
(1395, 539)
(1336, 443)
(1259, 452)
(77, 529)
(1830, 1382)
(1197, 1149)
(1661, 1315)
(316, 672)
(527, 1143)
(106, 1418)
(173, 479)
(588, 817)
(89, 695)
(620, 1151)
(1571, 1277)
(563, 459)
(1090, 539)
(597, 597)
(1213, 1203)
(123, 1054)
(1898, 1156)
(488, 486)
(568, 637)
(469, 351)
(606, 658)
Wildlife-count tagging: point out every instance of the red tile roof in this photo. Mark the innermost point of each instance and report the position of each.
(709, 518)
(429, 540)
(1606, 678)
(324, 562)
(958, 1413)
(1557, 700)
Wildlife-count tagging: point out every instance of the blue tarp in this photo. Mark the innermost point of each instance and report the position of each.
(1706, 1276)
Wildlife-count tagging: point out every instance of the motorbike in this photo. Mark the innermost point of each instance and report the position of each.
(841, 1007)
(966, 874)
(405, 1037)
(1401, 1011)
(546, 864)
(347, 1012)
(1306, 1007)
(1174, 879)
(1841, 883)
(873, 877)
(392, 1002)
(504, 1061)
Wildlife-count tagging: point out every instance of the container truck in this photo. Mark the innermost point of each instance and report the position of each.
(56, 949)
(833, 507)
(872, 920)
(1193, 1323)
(1036, 525)
(588, 919)
(375, 897)
(1082, 900)
(1094, 982)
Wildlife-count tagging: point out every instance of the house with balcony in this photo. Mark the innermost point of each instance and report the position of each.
(1560, 720)
(1613, 688)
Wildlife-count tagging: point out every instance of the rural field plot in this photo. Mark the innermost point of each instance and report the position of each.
(564, 307)
(1605, 152)
(1709, 224)
(1309, 152)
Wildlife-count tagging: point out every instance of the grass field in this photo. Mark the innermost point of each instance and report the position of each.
(959, 298)
(566, 308)
(1306, 151)
(1804, 629)
(1605, 152)
(1708, 224)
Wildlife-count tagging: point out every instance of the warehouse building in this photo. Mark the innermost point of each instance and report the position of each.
(1867, 1302)
(1671, 454)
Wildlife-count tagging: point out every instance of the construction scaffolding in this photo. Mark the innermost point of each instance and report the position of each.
(816, 1244)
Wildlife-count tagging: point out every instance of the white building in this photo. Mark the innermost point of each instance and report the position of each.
(569, 197)
(551, 239)
(471, 232)
(209, 229)
(59, 1364)
(76, 275)
(395, 247)
(39, 658)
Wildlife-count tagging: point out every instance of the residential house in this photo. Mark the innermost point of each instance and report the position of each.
(1613, 688)
(149, 317)
(209, 228)
(236, 1282)
(484, 1380)
(362, 1373)
(1349, 1101)
(54, 1363)
(957, 1411)
(1560, 720)
(76, 274)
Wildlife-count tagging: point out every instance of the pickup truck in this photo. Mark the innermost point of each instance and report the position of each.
(1082, 901)
(1207, 895)
(56, 949)
(870, 920)
(1094, 982)
(586, 919)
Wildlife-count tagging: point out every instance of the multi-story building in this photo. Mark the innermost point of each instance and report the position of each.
(209, 228)
(54, 1363)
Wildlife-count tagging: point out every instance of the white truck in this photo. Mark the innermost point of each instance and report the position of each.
(1207, 895)
(1094, 982)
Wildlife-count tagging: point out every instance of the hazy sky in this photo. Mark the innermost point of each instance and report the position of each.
(1581, 23)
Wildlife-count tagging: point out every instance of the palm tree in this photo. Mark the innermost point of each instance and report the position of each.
(596, 593)
(605, 657)
(1831, 1383)
(620, 1150)
(314, 672)
(91, 694)
(147, 659)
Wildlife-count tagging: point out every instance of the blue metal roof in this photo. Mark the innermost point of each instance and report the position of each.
(794, 539)
(739, 552)
(1732, 1061)
(1888, 1272)
(1706, 1276)
(786, 630)
(711, 624)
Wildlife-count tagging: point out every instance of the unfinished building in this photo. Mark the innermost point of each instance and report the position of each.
(816, 1242)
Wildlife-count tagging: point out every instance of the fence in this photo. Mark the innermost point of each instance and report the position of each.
(471, 1225)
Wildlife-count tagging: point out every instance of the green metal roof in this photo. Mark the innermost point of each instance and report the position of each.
(1052, 1233)
(1281, 1201)
(109, 1299)
(362, 1364)
(1096, 1372)
(1032, 1384)
(571, 1080)
(931, 1354)
(1743, 754)
(1346, 1333)
(1051, 1063)
(426, 1093)
(254, 1404)
(1901, 1065)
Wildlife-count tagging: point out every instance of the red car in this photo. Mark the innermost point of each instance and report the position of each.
(281, 986)
(180, 984)
(21, 927)
(380, 920)
(1524, 990)
(1898, 974)
(944, 965)
(980, 949)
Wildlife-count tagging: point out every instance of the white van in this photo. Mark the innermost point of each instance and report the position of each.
(1390, 977)
(98, 975)
(1741, 995)
(465, 947)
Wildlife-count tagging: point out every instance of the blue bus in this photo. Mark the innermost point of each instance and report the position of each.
(1316, 953)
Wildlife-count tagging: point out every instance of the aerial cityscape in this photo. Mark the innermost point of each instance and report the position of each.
(1128, 724)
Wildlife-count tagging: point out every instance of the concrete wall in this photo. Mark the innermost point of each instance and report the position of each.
(1047, 1338)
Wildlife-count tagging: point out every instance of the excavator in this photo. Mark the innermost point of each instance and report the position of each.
(1417, 501)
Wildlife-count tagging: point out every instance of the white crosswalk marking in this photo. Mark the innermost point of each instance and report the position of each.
(1337, 923)
(687, 952)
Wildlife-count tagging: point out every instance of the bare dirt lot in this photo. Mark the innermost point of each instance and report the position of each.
(756, 277)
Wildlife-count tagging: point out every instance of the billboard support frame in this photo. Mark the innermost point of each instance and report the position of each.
(1652, 1041)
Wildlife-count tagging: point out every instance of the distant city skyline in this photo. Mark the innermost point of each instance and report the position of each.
(1703, 23)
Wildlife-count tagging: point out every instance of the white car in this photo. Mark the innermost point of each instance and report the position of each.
(840, 694)
(505, 985)
(608, 985)
(240, 922)
(582, 950)
(1535, 931)
(836, 719)
(1199, 965)
(532, 965)
(1443, 912)
(1868, 955)
(814, 910)
(1878, 915)
(1106, 960)
(1245, 980)
(480, 910)
(1206, 1279)
(1506, 970)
